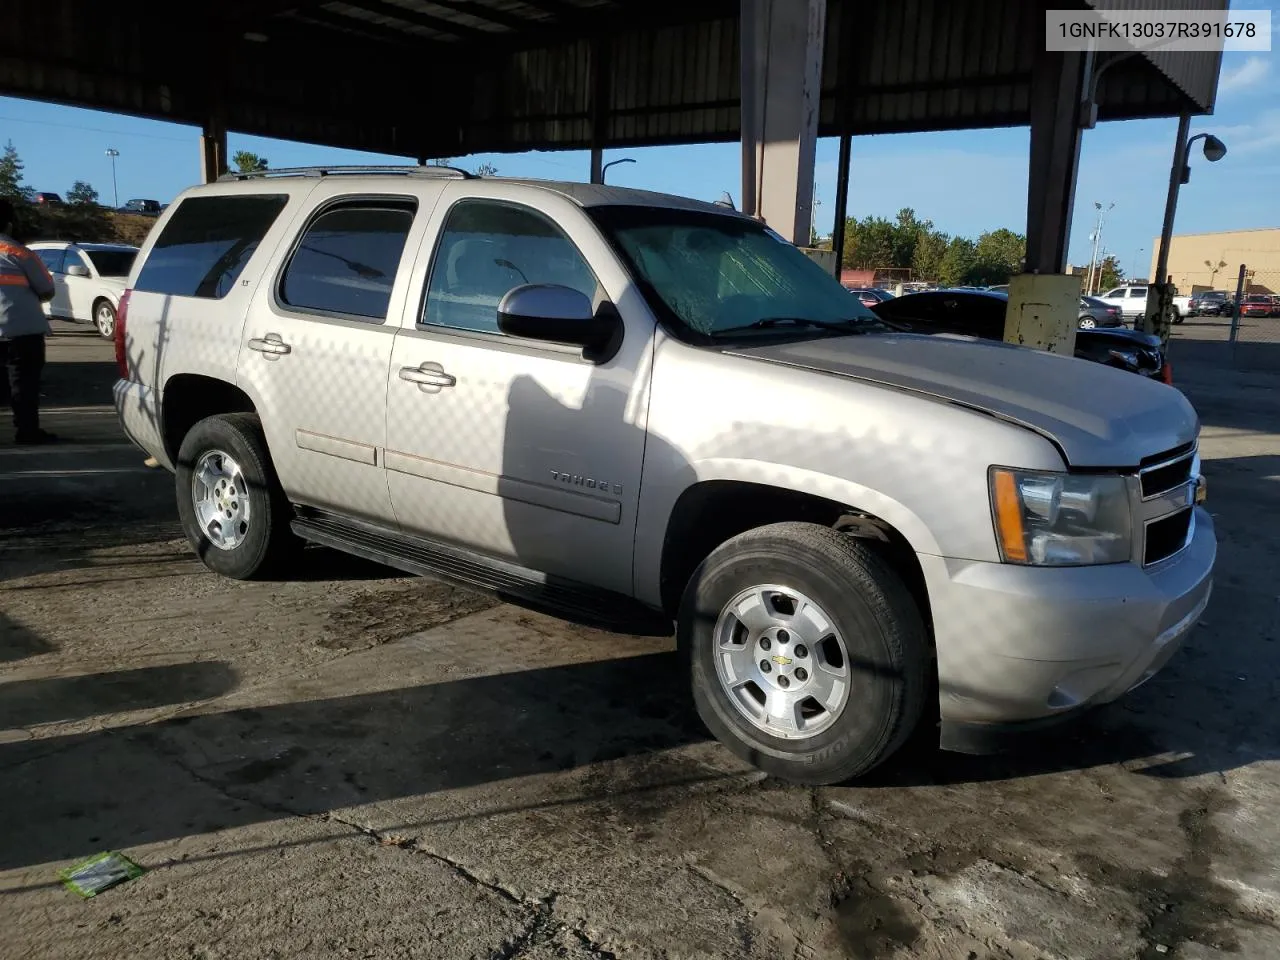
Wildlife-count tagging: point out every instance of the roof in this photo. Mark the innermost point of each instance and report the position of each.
(361, 178)
(62, 244)
(440, 78)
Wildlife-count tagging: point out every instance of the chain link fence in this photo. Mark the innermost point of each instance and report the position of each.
(1238, 322)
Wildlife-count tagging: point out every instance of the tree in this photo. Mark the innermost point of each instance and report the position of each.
(998, 256)
(957, 262)
(1109, 273)
(931, 248)
(247, 162)
(486, 169)
(11, 167)
(868, 244)
(82, 194)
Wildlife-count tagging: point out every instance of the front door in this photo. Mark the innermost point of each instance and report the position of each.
(520, 449)
(80, 290)
(53, 259)
(316, 350)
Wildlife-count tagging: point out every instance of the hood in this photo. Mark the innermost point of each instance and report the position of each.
(1096, 415)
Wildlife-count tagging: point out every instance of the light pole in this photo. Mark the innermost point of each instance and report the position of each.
(1179, 173)
(112, 152)
(1097, 239)
(613, 163)
(1137, 262)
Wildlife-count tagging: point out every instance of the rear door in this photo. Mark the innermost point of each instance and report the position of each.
(318, 343)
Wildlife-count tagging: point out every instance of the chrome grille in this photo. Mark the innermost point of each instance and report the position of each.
(1165, 503)
(1167, 473)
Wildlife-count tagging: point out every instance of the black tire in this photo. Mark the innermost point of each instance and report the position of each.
(866, 601)
(268, 545)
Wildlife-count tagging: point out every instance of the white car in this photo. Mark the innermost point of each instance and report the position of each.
(88, 279)
(1132, 302)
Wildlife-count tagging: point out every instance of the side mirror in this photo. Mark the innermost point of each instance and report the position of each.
(77, 270)
(559, 314)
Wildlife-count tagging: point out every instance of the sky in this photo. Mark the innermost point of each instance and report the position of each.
(966, 182)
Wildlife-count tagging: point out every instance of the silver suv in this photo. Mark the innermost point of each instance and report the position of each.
(619, 404)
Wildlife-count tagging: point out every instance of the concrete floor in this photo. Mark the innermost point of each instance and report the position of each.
(356, 764)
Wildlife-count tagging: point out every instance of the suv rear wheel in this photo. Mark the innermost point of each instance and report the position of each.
(808, 653)
(231, 506)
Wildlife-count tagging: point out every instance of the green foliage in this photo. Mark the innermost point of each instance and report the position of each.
(82, 194)
(247, 162)
(11, 167)
(958, 262)
(1109, 273)
(907, 241)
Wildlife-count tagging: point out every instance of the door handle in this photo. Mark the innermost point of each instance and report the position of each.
(270, 344)
(426, 376)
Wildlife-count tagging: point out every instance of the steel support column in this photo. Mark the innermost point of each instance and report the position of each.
(842, 201)
(782, 43)
(213, 150)
(1058, 88)
(601, 68)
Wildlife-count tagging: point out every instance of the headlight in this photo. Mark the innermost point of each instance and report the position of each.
(1060, 519)
(1128, 356)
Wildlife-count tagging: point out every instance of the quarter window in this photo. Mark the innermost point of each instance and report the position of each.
(346, 261)
(206, 244)
(487, 249)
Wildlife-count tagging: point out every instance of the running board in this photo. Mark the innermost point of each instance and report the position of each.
(569, 600)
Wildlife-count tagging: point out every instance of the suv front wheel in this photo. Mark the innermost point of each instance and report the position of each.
(808, 653)
(231, 506)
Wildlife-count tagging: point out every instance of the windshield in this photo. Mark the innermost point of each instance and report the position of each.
(715, 276)
(112, 263)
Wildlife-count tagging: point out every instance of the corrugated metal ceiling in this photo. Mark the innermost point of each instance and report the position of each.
(443, 77)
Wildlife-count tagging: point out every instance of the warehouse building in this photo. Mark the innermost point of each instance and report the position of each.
(1211, 261)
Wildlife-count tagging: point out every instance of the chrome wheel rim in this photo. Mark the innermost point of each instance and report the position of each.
(781, 662)
(220, 497)
(106, 320)
(1088, 323)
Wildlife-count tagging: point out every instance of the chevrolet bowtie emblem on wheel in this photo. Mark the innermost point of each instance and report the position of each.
(781, 661)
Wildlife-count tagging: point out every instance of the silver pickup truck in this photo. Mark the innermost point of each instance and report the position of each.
(621, 405)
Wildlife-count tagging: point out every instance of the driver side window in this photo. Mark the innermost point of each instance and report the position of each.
(488, 248)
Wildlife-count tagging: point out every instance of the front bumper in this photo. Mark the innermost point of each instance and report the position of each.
(1028, 645)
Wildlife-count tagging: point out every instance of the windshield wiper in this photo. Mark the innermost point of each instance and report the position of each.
(847, 325)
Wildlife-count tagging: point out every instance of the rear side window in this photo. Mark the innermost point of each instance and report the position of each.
(1137, 291)
(52, 259)
(346, 260)
(206, 244)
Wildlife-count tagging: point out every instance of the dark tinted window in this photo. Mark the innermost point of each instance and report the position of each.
(347, 259)
(489, 248)
(52, 259)
(206, 244)
(112, 263)
(1137, 291)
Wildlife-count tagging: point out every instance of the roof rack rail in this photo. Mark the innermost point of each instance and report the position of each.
(404, 171)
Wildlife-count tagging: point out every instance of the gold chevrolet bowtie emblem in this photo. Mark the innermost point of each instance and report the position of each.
(781, 661)
(1202, 490)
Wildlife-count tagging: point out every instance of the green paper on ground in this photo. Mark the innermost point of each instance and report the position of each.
(90, 877)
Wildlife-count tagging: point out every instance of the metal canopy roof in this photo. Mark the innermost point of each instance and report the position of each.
(450, 77)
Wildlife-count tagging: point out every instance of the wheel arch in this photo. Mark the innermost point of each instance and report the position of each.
(713, 510)
(190, 397)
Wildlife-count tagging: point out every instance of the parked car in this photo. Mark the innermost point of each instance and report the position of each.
(150, 208)
(982, 314)
(1097, 313)
(1132, 302)
(47, 199)
(869, 296)
(88, 279)
(617, 405)
(1257, 305)
(1210, 303)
